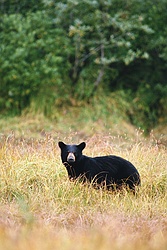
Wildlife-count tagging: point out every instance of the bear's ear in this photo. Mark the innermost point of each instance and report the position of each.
(81, 146)
(61, 144)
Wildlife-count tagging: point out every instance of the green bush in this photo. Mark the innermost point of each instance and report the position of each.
(60, 53)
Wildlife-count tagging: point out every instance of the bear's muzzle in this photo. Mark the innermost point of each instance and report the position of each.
(70, 157)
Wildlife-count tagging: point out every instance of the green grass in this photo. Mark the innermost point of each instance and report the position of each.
(41, 209)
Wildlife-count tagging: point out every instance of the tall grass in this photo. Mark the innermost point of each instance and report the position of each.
(41, 209)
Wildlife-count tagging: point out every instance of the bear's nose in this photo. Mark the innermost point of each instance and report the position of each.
(71, 157)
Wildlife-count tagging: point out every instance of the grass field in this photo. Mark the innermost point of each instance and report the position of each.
(41, 209)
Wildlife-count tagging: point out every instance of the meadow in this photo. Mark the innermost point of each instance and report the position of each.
(41, 209)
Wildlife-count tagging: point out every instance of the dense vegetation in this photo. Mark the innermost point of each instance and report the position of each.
(56, 54)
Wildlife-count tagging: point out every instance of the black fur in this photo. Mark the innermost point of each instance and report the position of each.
(109, 171)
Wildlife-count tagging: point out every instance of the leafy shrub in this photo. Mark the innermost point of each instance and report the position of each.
(60, 53)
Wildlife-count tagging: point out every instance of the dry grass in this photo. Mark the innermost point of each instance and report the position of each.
(41, 209)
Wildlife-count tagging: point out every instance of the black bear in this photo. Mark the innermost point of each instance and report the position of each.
(108, 171)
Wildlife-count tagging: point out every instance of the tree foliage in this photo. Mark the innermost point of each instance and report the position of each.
(55, 51)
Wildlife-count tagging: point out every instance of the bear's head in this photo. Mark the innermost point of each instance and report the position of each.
(71, 156)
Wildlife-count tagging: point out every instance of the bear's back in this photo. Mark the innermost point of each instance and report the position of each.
(113, 168)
